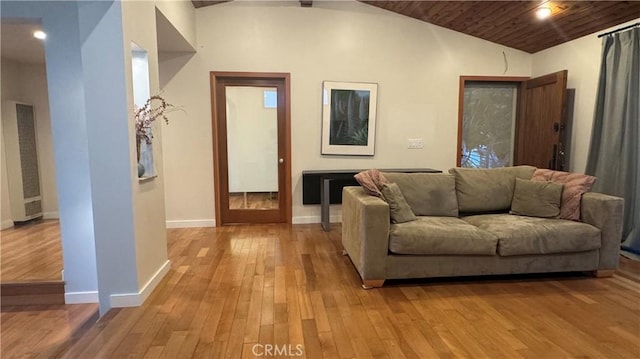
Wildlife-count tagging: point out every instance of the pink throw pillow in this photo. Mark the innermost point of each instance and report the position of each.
(372, 181)
(575, 185)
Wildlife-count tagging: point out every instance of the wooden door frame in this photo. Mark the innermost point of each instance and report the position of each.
(215, 77)
(463, 81)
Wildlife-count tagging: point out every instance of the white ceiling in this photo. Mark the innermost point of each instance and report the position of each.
(17, 43)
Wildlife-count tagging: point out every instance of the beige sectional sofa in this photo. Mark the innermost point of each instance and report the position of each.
(463, 228)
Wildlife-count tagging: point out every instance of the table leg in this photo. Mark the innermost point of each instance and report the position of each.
(325, 203)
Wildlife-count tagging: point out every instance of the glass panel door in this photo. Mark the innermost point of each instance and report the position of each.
(252, 147)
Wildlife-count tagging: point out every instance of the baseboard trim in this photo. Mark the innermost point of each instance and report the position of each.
(50, 215)
(81, 297)
(191, 223)
(6, 224)
(148, 288)
(136, 299)
(315, 219)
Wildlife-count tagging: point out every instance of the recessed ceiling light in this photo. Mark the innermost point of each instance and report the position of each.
(39, 34)
(543, 12)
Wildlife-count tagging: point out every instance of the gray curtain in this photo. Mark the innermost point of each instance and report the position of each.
(614, 155)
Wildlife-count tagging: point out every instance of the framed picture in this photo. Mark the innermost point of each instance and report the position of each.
(349, 118)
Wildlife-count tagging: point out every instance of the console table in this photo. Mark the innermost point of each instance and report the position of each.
(325, 187)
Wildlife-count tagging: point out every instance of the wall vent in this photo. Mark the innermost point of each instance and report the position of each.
(19, 131)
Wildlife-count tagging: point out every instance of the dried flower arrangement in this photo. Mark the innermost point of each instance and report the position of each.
(155, 107)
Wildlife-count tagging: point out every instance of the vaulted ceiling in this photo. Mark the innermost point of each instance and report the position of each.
(512, 23)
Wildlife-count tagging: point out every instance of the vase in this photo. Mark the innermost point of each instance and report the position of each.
(140, 169)
(138, 141)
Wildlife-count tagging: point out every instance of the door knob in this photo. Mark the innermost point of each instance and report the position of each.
(281, 160)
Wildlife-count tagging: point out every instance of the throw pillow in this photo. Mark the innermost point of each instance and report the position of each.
(536, 198)
(398, 207)
(575, 185)
(372, 181)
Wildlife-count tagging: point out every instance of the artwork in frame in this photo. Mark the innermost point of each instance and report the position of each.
(349, 118)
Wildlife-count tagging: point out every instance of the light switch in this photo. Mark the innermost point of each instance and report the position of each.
(415, 143)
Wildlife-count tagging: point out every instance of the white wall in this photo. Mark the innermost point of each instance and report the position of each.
(417, 66)
(66, 81)
(27, 83)
(582, 58)
(112, 228)
(151, 238)
(181, 14)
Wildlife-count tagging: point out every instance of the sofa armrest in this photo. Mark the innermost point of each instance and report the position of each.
(365, 232)
(606, 213)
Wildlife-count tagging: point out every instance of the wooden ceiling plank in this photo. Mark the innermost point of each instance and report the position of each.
(405, 6)
(575, 20)
(448, 18)
(536, 31)
(572, 27)
(475, 10)
(500, 22)
(435, 8)
(551, 36)
(399, 7)
(514, 12)
(477, 23)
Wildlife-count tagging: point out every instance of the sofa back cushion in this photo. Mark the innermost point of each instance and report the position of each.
(428, 194)
(487, 190)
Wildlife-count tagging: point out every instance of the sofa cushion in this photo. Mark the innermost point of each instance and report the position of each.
(575, 185)
(399, 210)
(519, 235)
(428, 194)
(440, 235)
(536, 199)
(485, 190)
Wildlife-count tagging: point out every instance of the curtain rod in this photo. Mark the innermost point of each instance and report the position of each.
(618, 30)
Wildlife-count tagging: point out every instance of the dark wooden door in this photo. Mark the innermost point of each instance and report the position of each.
(228, 209)
(540, 129)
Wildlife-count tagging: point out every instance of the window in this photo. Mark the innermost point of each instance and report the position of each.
(270, 99)
(488, 124)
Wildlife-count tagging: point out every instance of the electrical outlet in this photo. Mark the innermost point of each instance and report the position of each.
(415, 143)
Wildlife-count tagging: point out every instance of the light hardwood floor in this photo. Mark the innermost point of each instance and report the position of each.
(232, 291)
(31, 252)
(43, 331)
